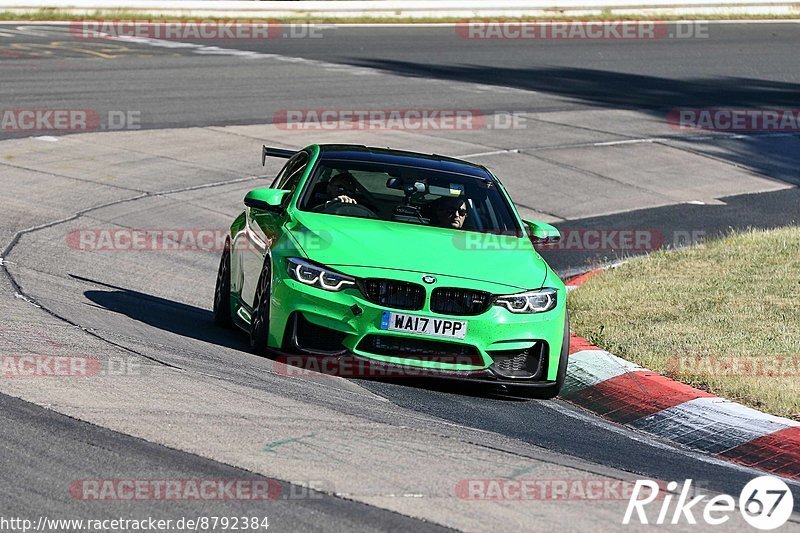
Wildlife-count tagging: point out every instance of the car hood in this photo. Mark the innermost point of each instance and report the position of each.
(349, 241)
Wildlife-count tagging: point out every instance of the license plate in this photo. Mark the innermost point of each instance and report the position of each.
(423, 325)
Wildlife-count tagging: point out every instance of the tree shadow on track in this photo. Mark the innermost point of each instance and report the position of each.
(654, 95)
(175, 317)
(618, 90)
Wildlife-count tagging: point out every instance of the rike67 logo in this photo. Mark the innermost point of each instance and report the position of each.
(765, 503)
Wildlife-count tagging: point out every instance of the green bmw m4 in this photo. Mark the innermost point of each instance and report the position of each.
(396, 259)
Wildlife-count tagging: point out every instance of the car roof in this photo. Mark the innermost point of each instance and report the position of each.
(372, 154)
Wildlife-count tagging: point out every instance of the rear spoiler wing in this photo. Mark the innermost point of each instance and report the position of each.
(275, 152)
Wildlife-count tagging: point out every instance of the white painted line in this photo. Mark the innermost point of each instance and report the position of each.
(55, 28)
(47, 138)
(494, 152)
(248, 54)
(750, 21)
(574, 272)
(630, 141)
(710, 136)
(197, 48)
(26, 299)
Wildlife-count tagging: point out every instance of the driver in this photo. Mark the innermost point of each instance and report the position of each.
(343, 188)
(449, 212)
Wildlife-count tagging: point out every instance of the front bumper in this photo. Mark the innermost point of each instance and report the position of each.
(490, 336)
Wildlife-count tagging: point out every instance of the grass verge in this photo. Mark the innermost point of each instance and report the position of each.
(723, 316)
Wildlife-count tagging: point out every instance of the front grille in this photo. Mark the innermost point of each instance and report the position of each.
(421, 349)
(394, 293)
(453, 301)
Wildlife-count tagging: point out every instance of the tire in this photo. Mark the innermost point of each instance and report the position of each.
(222, 290)
(259, 323)
(548, 393)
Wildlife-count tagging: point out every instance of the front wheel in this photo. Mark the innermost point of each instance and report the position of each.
(222, 290)
(259, 323)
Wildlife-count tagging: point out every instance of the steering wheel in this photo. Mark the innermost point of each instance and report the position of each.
(360, 189)
(354, 210)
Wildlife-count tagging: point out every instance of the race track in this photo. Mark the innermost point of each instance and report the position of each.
(594, 153)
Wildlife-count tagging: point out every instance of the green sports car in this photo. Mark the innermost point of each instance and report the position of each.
(397, 259)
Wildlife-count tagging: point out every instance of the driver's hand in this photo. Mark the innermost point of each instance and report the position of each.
(344, 199)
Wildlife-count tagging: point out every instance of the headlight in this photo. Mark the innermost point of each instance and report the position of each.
(529, 302)
(317, 276)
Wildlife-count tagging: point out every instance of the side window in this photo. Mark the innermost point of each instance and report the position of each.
(295, 172)
(291, 175)
(290, 169)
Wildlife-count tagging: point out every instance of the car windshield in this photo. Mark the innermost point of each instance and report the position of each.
(409, 195)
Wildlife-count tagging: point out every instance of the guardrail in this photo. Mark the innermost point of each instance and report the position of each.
(411, 9)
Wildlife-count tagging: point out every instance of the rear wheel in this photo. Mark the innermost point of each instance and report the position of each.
(222, 291)
(259, 323)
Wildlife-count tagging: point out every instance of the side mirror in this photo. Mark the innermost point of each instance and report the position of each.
(266, 199)
(541, 233)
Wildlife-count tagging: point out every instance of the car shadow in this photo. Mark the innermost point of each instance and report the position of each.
(379, 377)
(196, 323)
(167, 315)
(457, 388)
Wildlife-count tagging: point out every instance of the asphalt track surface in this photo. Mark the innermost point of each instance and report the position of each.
(154, 308)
